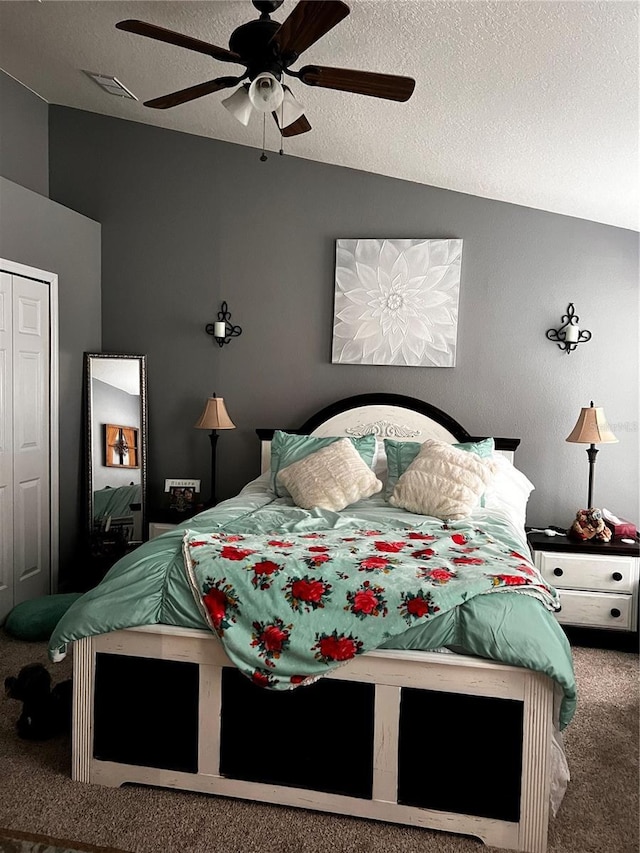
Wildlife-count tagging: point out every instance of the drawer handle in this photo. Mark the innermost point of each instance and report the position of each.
(615, 612)
(617, 576)
(558, 572)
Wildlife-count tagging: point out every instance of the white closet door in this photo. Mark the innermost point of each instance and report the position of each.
(6, 447)
(31, 509)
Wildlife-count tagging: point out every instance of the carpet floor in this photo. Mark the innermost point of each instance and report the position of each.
(599, 813)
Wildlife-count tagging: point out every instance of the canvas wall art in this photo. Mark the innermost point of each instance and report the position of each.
(396, 302)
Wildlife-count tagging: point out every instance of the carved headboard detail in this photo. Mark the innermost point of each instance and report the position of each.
(383, 429)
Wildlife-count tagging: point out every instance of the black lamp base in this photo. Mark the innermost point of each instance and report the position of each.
(213, 437)
(592, 452)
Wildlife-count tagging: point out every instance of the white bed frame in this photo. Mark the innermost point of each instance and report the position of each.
(388, 670)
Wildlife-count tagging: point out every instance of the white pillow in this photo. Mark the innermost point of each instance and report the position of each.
(380, 461)
(509, 490)
(331, 478)
(443, 481)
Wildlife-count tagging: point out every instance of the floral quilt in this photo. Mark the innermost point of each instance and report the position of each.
(289, 608)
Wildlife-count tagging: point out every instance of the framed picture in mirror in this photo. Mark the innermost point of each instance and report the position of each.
(121, 446)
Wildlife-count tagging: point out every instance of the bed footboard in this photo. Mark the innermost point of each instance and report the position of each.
(397, 712)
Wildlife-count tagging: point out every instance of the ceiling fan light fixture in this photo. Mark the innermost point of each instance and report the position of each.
(290, 109)
(266, 93)
(239, 105)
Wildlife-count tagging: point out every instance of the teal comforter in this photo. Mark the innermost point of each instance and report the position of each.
(115, 501)
(151, 586)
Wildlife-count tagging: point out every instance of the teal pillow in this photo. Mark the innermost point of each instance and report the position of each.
(36, 619)
(287, 448)
(400, 454)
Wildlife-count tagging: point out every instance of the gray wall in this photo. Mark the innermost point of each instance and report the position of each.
(41, 233)
(188, 222)
(24, 136)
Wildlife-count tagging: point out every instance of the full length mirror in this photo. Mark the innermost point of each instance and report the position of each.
(116, 426)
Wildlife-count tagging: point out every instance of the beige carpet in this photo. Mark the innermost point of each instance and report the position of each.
(599, 813)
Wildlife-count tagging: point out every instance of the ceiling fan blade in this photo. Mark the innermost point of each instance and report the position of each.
(309, 21)
(193, 92)
(170, 37)
(388, 86)
(300, 125)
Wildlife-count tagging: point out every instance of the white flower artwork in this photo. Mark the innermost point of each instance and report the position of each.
(396, 302)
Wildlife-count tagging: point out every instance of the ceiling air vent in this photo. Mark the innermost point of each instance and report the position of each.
(111, 85)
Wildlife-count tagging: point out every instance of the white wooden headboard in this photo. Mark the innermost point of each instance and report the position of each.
(385, 416)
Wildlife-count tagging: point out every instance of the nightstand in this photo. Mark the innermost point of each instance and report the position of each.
(164, 520)
(597, 581)
(157, 528)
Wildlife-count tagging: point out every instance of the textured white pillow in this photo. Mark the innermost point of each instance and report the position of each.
(443, 481)
(331, 478)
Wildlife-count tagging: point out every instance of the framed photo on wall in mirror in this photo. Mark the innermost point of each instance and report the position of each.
(121, 446)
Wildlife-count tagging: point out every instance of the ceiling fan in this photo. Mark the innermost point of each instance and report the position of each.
(268, 49)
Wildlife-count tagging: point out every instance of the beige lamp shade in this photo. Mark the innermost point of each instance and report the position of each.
(592, 428)
(214, 416)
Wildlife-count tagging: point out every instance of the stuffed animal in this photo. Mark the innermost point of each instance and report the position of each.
(589, 524)
(45, 712)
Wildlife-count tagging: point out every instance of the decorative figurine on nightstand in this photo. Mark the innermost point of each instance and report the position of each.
(589, 524)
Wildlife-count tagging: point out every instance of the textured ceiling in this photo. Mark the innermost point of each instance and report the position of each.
(534, 103)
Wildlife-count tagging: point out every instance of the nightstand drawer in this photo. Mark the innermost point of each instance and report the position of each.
(588, 571)
(596, 610)
(157, 528)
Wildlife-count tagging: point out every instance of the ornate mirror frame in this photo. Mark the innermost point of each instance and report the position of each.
(114, 440)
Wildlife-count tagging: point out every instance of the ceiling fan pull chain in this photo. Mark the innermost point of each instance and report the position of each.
(280, 123)
(263, 156)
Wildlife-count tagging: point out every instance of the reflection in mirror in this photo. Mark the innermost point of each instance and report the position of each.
(116, 422)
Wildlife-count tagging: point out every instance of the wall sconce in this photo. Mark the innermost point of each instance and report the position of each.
(223, 330)
(569, 335)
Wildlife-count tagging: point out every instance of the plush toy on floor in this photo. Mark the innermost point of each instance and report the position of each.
(589, 524)
(45, 712)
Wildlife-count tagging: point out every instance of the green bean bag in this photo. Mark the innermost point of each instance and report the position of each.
(36, 619)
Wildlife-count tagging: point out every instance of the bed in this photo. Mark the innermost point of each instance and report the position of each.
(117, 519)
(115, 501)
(478, 692)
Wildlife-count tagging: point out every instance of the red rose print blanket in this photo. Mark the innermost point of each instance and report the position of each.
(289, 608)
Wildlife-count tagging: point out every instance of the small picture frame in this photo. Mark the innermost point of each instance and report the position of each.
(182, 495)
(121, 447)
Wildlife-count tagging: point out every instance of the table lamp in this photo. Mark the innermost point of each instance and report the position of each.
(591, 428)
(214, 417)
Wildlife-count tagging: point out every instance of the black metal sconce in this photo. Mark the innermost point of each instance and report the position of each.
(569, 334)
(223, 330)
